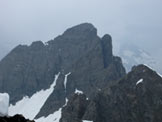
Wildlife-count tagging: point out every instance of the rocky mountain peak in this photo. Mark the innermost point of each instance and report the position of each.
(141, 68)
(77, 75)
(144, 74)
(84, 29)
(37, 44)
(136, 97)
(84, 60)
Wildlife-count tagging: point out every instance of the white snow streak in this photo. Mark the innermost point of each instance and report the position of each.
(86, 121)
(66, 101)
(30, 107)
(65, 80)
(153, 70)
(159, 74)
(78, 91)
(140, 81)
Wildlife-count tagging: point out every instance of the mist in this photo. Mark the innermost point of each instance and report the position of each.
(135, 22)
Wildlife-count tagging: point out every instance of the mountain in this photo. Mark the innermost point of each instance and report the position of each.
(45, 76)
(134, 98)
(76, 78)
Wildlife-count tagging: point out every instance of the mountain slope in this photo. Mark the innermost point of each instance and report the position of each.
(84, 60)
(36, 101)
(135, 98)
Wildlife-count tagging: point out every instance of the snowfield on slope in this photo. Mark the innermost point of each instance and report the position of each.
(30, 107)
(55, 117)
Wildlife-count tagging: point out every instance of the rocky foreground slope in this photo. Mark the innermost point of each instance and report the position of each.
(137, 97)
(16, 118)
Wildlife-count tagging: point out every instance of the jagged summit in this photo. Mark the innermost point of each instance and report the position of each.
(141, 67)
(81, 29)
(141, 74)
(79, 52)
(37, 44)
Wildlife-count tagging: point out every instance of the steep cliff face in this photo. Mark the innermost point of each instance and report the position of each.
(75, 109)
(135, 98)
(84, 60)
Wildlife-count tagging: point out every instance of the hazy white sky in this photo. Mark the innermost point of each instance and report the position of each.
(137, 22)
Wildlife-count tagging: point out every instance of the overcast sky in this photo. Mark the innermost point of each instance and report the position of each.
(136, 22)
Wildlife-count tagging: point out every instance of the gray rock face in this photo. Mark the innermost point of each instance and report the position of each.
(89, 58)
(135, 98)
(75, 109)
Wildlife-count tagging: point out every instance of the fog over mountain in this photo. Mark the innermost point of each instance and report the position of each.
(137, 22)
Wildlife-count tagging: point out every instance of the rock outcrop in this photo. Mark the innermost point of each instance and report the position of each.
(16, 118)
(135, 98)
(75, 109)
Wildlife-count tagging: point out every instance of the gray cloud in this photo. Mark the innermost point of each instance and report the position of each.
(136, 22)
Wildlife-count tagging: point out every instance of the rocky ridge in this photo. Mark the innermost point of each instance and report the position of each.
(135, 98)
(78, 51)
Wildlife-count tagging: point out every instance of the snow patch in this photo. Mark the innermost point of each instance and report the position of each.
(78, 91)
(86, 121)
(65, 80)
(30, 107)
(66, 101)
(140, 81)
(46, 43)
(4, 103)
(55, 117)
